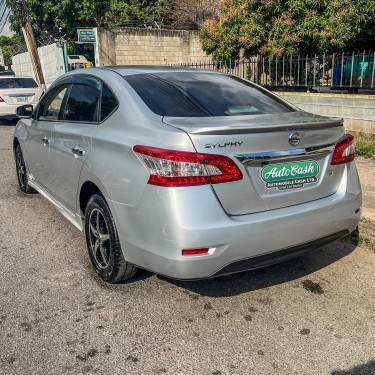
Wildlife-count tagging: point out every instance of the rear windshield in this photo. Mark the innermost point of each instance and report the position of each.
(193, 94)
(17, 83)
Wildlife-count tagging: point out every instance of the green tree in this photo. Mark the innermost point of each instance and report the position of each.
(7, 45)
(52, 16)
(289, 27)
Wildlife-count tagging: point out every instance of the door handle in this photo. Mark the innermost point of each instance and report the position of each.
(45, 141)
(77, 151)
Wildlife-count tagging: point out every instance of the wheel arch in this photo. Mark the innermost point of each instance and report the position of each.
(88, 189)
(16, 142)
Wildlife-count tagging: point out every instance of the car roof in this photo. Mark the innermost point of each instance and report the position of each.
(144, 69)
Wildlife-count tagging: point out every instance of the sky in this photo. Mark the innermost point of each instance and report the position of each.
(7, 31)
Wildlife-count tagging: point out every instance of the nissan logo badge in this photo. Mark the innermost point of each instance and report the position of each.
(294, 139)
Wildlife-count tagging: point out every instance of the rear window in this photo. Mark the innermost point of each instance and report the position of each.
(193, 94)
(17, 83)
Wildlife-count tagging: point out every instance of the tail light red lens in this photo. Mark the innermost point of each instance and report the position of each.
(1, 100)
(41, 96)
(344, 151)
(178, 168)
(195, 252)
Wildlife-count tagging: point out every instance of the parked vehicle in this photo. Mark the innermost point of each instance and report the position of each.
(15, 91)
(77, 62)
(190, 174)
(6, 71)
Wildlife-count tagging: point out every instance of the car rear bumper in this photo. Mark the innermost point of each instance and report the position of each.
(8, 110)
(154, 233)
(280, 255)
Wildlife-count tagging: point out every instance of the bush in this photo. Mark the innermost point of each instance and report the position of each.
(364, 144)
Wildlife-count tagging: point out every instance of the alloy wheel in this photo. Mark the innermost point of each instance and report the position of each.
(100, 242)
(21, 170)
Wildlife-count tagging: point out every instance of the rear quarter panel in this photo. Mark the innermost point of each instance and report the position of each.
(112, 165)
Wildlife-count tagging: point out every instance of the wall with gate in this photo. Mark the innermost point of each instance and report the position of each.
(135, 46)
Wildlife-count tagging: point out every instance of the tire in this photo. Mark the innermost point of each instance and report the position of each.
(23, 180)
(103, 243)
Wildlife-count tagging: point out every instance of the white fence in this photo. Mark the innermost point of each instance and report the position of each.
(52, 61)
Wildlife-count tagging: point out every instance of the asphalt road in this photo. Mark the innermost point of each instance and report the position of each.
(314, 315)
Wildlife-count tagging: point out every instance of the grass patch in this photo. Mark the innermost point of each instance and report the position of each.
(364, 144)
(357, 239)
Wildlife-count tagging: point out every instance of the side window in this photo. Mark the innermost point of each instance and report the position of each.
(52, 106)
(109, 103)
(82, 104)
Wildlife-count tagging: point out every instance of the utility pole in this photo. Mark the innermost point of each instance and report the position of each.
(30, 42)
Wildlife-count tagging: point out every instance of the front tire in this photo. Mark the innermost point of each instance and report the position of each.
(103, 243)
(23, 180)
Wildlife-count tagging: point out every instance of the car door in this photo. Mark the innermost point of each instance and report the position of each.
(39, 131)
(71, 138)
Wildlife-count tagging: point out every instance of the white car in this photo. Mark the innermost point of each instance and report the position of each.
(16, 91)
(77, 61)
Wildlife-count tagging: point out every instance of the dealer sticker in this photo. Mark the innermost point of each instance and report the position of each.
(290, 175)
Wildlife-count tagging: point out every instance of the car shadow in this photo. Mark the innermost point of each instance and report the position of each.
(236, 284)
(367, 368)
(4, 122)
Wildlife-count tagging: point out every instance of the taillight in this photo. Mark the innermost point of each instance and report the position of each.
(41, 96)
(1, 100)
(179, 168)
(344, 151)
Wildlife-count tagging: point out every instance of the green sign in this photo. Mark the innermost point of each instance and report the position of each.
(290, 175)
(86, 36)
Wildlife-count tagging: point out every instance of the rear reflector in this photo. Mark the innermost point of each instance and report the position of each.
(344, 151)
(195, 252)
(179, 168)
(1, 100)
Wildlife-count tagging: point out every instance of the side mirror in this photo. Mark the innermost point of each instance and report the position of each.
(25, 111)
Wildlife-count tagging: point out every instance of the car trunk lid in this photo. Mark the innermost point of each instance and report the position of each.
(275, 173)
(21, 96)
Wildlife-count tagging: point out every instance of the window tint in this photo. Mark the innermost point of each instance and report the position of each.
(52, 106)
(17, 83)
(82, 104)
(194, 94)
(28, 83)
(109, 103)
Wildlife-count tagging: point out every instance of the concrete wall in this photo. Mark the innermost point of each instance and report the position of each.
(358, 111)
(21, 65)
(52, 61)
(133, 46)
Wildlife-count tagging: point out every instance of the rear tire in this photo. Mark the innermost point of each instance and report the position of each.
(23, 180)
(103, 243)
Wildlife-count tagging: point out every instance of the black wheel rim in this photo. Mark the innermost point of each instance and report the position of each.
(100, 242)
(21, 170)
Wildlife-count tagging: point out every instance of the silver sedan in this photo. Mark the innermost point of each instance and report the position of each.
(190, 174)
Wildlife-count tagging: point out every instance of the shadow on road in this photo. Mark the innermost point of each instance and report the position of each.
(4, 122)
(368, 368)
(232, 285)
